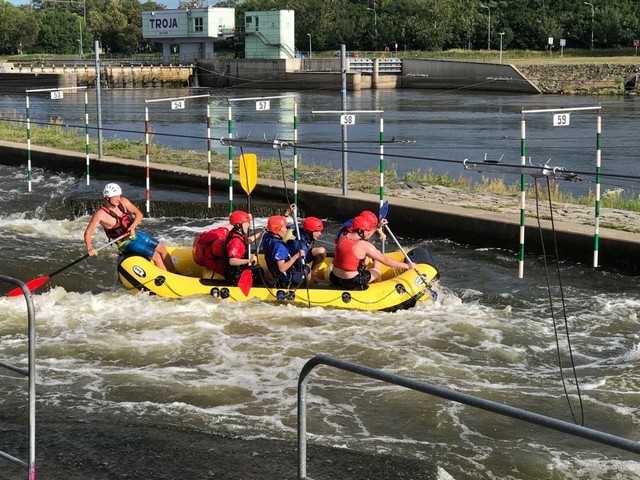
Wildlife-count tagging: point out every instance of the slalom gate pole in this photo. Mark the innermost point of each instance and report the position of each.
(208, 156)
(29, 177)
(86, 132)
(295, 152)
(596, 238)
(230, 132)
(523, 188)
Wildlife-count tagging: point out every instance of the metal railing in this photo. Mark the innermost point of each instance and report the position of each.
(30, 373)
(367, 65)
(471, 400)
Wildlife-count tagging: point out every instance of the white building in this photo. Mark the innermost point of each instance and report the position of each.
(193, 30)
(269, 34)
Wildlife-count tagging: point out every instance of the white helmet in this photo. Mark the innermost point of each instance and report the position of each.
(111, 190)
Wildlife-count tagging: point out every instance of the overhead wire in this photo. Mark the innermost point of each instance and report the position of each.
(307, 146)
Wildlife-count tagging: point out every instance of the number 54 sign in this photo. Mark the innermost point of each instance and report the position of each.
(561, 119)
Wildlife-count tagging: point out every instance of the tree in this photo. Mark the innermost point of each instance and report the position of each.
(59, 31)
(108, 26)
(18, 31)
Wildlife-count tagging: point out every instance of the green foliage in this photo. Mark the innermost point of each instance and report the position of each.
(425, 25)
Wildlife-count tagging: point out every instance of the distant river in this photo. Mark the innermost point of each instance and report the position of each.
(434, 130)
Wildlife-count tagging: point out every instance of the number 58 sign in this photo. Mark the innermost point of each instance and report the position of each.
(347, 119)
(561, 119)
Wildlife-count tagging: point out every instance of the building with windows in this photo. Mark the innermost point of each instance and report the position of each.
(269, 34)
(191, 32)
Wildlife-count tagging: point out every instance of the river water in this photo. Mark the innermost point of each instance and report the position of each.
(433, 130)
(210, 366)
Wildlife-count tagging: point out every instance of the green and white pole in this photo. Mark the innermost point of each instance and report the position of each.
(147, 149)
(209, 156)
(295, 153)
(381, 162)
(230, 132)
(523, 188)
(29, 177)
(596, 240)
(86, 132)
(381, 139)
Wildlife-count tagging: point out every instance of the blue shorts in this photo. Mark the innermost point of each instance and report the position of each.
(142, 244)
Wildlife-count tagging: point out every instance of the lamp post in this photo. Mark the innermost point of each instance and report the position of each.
(501, 34)
(593, 11)
(375, 19)
(489, 27)
(309, 35)
(80, 40)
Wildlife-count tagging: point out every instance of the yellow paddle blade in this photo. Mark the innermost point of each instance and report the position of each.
(248, 171)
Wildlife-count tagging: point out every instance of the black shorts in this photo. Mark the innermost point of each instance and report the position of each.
(359, 282)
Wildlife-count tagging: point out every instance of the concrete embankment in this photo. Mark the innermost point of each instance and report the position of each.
(414, 217)
(303, 74)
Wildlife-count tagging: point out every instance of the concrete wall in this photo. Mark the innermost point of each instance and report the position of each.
(111, 76)
(470, 75)
(415, 218)
(287, 73)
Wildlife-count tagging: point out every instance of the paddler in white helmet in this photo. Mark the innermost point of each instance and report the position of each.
(118, 217)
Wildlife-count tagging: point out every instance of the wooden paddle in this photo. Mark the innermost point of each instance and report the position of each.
(248, 179)
(38, 282)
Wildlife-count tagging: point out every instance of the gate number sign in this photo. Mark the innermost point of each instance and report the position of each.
(347, 119)
(57, 95)
(262, 105)
(561, 119)
(177, 105)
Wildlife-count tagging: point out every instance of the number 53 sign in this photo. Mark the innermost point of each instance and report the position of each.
(561, 119)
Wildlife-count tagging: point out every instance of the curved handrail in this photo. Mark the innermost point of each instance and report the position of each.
(30, 372)
(471, 400)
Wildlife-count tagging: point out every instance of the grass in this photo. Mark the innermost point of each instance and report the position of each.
(54, 135)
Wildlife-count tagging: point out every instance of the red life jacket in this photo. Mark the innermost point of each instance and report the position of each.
(235, 245)
(345, 258)
(208, 248)
(123, 222)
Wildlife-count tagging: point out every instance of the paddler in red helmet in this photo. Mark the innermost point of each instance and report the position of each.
(349, 264)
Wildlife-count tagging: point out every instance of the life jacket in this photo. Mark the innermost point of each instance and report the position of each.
(345, 258)
(237, 252)
(123, 222)
(269, 242)
(208, 247)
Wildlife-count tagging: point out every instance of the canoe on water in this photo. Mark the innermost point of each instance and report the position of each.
(397, 289)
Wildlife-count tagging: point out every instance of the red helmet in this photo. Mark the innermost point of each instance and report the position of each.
(238, 216)
(364, 222)
(370, 216)
(312, 224)
(275, 223)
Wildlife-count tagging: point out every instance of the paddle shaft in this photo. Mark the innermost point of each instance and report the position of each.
(304, 273)
(403, 251)
(38, 282)
(85, 256)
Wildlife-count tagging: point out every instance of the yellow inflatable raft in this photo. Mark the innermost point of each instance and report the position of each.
(397, 290)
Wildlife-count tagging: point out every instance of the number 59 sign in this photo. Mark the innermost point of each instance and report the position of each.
(561, 119)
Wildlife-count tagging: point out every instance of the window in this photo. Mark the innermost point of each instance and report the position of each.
(249, 19)
(198, 24)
